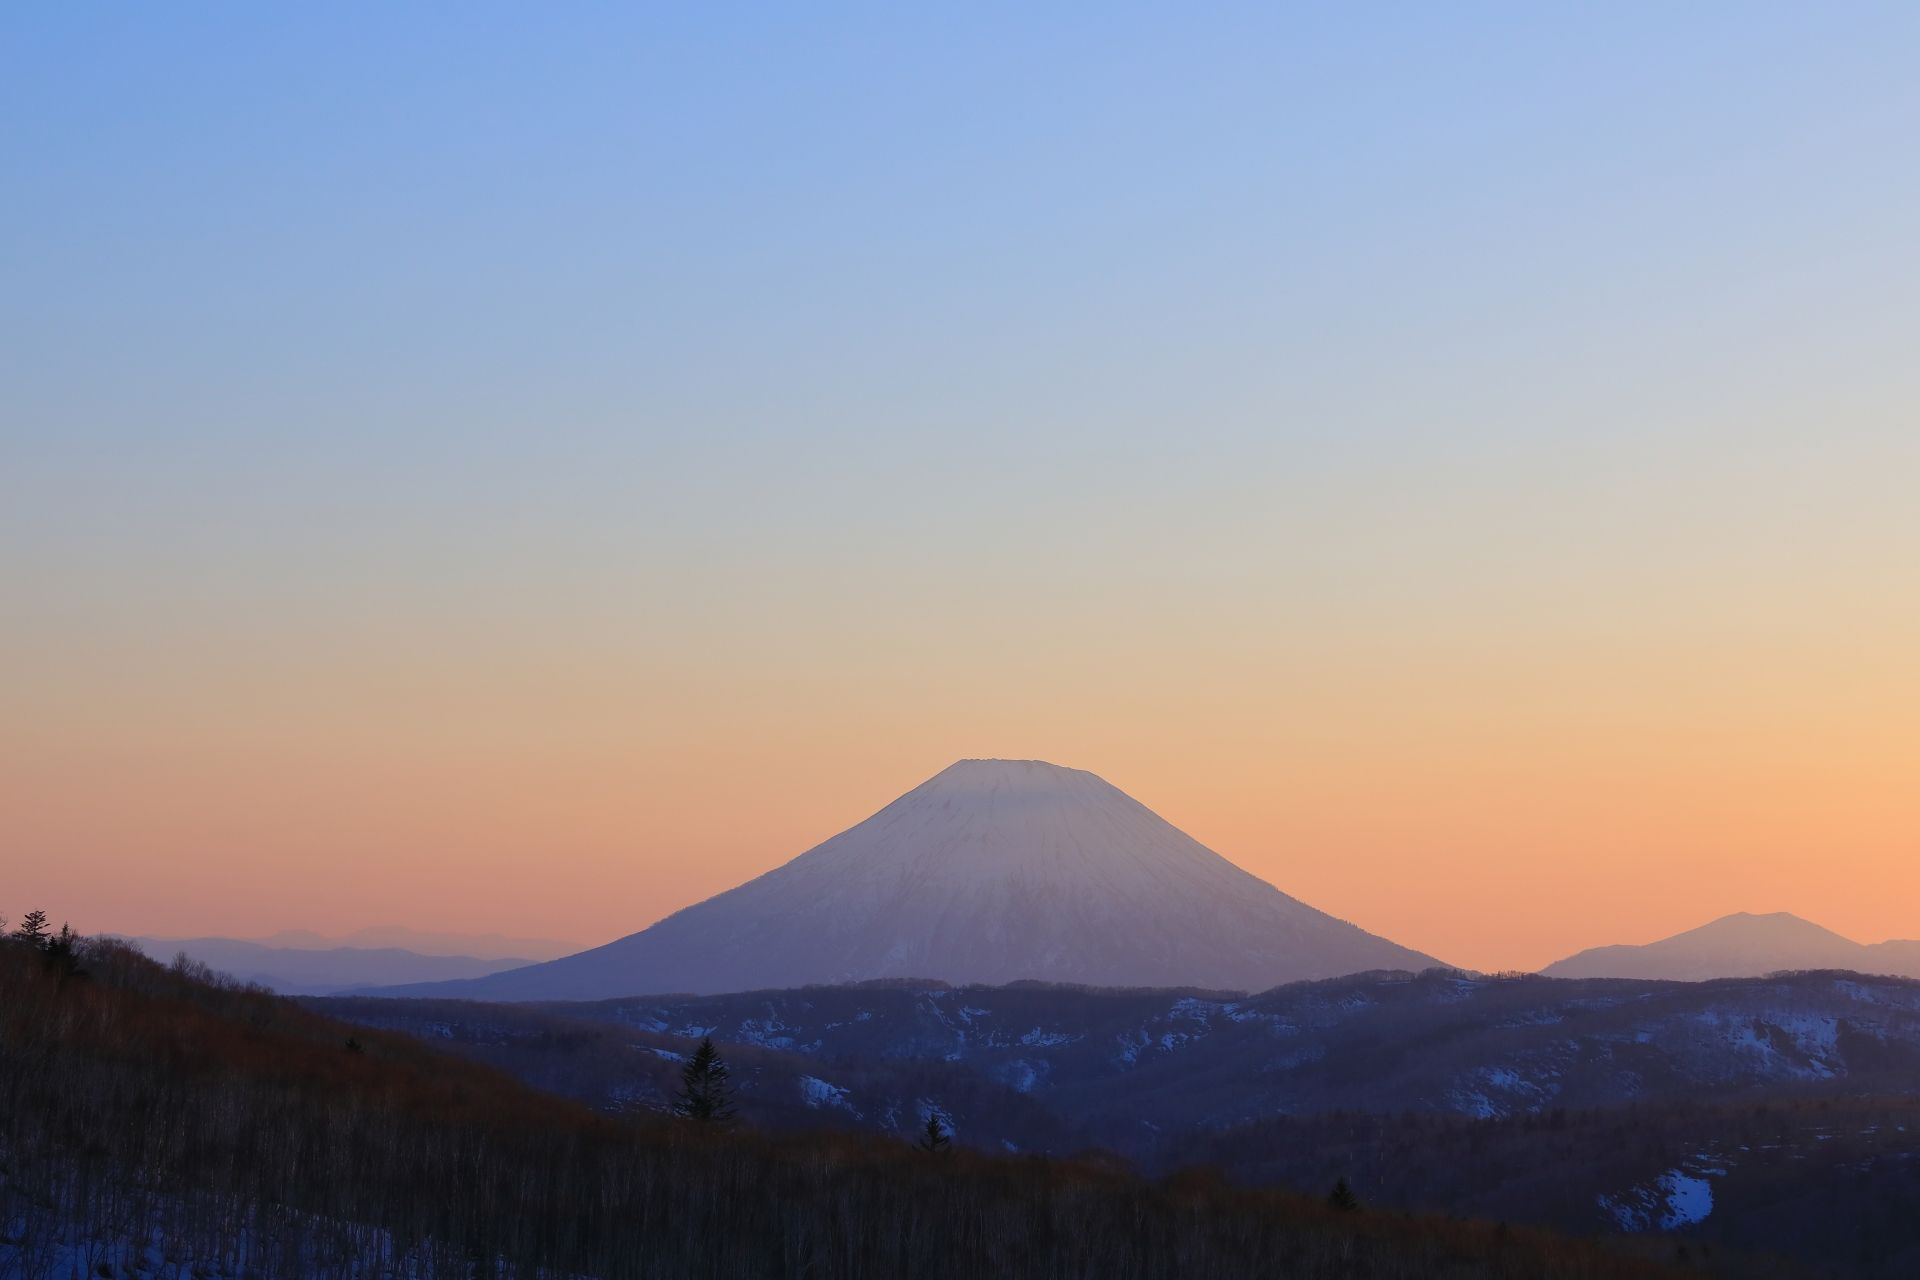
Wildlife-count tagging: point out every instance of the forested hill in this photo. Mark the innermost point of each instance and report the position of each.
(1131, 1067)
(163, 1122)
(1757, 1115)
(1833, 1181)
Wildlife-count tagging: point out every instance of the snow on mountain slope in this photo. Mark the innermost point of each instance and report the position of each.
(1741, 946)
(991, 871)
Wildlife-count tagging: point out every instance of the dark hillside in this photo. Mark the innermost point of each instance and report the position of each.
(1832, 1181)
(622, 1069)
(1590, 1106)
(1134, 1066)
(157, 1120)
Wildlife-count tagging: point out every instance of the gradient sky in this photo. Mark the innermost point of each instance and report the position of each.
(530, 468)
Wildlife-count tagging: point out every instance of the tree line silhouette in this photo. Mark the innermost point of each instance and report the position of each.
(165, 1123)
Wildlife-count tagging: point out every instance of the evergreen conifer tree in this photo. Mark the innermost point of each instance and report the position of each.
(704, 1092)
(62, 953)
(934, 1137)
(33, 929)
(1342, 1197)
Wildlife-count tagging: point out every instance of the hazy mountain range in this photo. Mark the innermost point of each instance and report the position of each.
(991, 871)
(1740, 946)
(299, 962)
(479, 946)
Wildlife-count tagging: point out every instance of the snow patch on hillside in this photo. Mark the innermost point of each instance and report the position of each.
(818, 1093)
(769, 1032)
(1798, 1045)
(1675, 1199)
(1490, 1093)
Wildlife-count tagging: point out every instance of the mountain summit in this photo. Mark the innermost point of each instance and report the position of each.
(991, 871)
(1741, 946)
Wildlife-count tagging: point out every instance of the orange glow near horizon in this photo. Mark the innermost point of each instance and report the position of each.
(1498, 801)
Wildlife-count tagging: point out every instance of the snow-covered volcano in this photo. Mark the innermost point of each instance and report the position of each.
(991, 871)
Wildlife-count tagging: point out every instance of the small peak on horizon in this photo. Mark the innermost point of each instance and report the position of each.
(1775, 919)
(1740, 944)
(1739, 928)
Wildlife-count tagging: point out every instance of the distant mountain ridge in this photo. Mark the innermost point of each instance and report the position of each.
(478, 946)
(302, 971)
(991, 871)
(1741, 945)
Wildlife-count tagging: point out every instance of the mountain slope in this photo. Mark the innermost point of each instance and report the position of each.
(1741, 946)
(623, 1069)
(991, 871)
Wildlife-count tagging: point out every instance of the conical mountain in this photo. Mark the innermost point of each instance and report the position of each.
(991, 871)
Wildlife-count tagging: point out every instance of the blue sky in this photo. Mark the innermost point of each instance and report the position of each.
(781, 347)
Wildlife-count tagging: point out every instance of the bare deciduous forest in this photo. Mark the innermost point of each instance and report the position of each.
(1830, 1180)
(161, 1120)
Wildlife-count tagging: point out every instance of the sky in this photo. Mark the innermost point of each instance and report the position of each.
(530, 468)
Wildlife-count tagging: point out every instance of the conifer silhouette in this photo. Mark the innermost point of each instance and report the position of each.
(33, 929)
(704, 1092)
(62, 953)
(1342, 1197)
(934, 1137)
